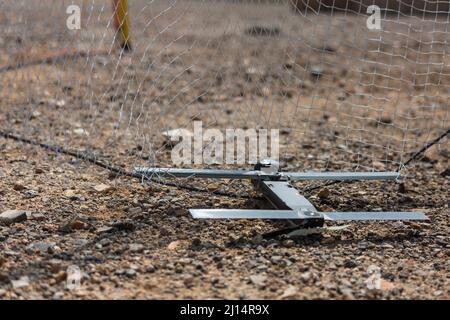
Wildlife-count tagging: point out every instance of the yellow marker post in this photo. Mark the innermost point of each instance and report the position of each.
(122, 23)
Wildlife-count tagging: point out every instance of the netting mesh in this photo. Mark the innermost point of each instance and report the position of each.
(343, 96)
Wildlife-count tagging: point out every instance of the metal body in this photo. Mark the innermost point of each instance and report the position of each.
(289, 204)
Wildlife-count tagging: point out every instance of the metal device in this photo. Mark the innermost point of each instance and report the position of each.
(288, 202)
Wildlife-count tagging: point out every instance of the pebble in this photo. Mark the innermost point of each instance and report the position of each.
(290, 292)
(19, 187)
(130, 273)
(103, 230)
(136, 247)
(350, 264)
(258, 280)
(323, 194)
(12, 216)
(41, 247)
(174, 245)
(30, 194)
(20, 283)
(124, 225)
(102, 188)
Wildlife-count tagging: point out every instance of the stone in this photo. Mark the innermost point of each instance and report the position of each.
(20, 283)
(290, 293)
(38, 216)
(323, 194)
(19, 187)
(13, 216)
(41, 247)
(130, 273)
(350, 264)
(80, 132)
(306, 276)
(103, 230)
(379, 166)
(258, 280)
(174, 245)
(124, 225)
(347, 293)
(136, 247)
(30, 194)
(74, 224)
(102, 188)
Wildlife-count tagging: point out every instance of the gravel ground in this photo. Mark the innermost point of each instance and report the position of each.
(344, 101)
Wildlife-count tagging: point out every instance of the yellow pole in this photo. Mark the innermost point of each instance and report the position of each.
(122, 23)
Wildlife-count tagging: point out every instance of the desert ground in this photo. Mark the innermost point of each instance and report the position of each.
(342, 96)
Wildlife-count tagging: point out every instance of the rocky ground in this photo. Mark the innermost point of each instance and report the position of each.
(343, 101)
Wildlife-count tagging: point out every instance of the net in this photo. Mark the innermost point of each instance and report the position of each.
(344, 84)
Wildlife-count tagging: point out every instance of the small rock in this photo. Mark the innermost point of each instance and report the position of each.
(150, 269)
(4, 278)
(276, 259)
(21, 283)
(58, 295)
(174, 245)
(437, 293)
(347, 293)
(306, 276)
(258, 280)
(103, 230)
(30, 194)
(290, 293)
(55, 103)
(379, 166)
(12, 216)
(323, 194)
(80, 132)
(130, 273)
(75, 224)
(289, 243)
(60, 277)
(386, 285)
(125, 225)
(350, 264)
(196, 242)
(102, 188)
(446, 173)
(136, 247)
(18, 187)
(41, 247)
(38, 216)
(71, 195)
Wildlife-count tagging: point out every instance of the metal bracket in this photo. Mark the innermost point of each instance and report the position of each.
(276, 188)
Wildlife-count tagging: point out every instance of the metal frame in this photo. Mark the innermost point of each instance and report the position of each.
(276, 188)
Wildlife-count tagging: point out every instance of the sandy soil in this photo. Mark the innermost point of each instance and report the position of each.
(345, 99)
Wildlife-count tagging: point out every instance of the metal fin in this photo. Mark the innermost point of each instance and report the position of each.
(295, 215)
(242, 214)
(384, 215)
(341, 176)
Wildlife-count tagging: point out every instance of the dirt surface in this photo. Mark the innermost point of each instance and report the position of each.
(344, 99)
